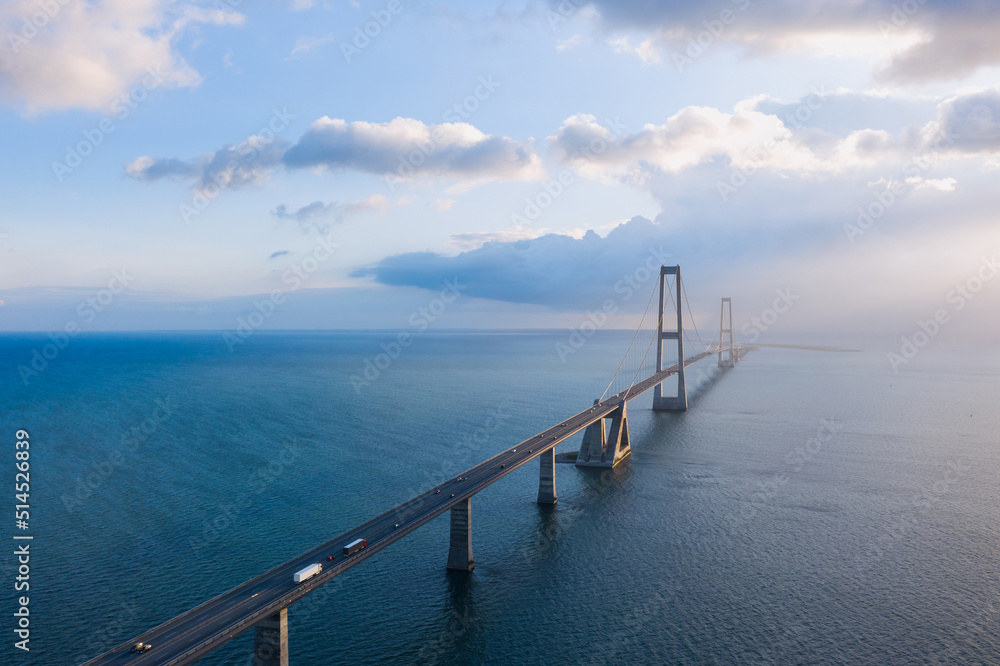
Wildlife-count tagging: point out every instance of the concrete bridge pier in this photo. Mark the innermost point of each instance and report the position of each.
(606, 449)
(270, 640)
(547, 477)
(460, 548)
(594, 441)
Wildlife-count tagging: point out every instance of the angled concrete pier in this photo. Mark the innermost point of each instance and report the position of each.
(547, 477)
(601, 449)
(678, 403)
(460, 548)
(594, 440)
(270, 640)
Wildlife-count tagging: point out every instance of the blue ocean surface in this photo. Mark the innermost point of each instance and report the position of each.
(810, 507)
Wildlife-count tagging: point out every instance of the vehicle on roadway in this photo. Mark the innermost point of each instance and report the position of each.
(330, 558)
(307, 573)
(141, 647)
(355, 546)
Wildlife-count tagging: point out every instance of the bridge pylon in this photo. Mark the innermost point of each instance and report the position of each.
(601, 448)
(726, 332)
(270, 640)
(678, 403)
(460, 542)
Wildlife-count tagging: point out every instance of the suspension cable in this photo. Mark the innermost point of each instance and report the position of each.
(613, 377)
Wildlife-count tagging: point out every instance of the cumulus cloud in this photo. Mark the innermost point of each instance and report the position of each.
(441, 205)
(317, 214)
(972, 120)
(405, 148)
(474, 240)
(822, 135)
(232, 167)
(692, 136)
(553, 270)
(401, 149)
(913, 41)
(89, 54)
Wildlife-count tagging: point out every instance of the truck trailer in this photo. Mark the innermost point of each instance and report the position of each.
(355, 546)
(308, 572)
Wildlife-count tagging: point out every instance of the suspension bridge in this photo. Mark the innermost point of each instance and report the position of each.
(262, 602)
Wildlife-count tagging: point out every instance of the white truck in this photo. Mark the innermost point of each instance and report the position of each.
(308, 572)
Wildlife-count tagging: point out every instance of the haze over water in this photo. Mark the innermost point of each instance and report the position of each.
(810, 507)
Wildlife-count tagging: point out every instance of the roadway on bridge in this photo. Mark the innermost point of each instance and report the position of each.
(200, 630)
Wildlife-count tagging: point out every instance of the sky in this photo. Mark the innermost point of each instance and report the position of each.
(183, 164)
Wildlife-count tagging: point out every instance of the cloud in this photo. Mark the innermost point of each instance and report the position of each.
(313, 216)
(402, 148)
(915, 41)
(279, 253)
(233, 167)
(474, 240)
(692, 136)
(973, 120)
(88, 54)
(407, 148)
(441, 205)
(557, 271)
(823, 135)
(304, 45)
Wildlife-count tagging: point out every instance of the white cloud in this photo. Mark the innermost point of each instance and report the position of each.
(914, 41)
(441, 205)
(317, 214)
(304, 45)
(88, 54)
(406, 148)
(572, 43)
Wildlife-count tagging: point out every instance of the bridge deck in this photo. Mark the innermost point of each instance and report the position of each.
(195, 633)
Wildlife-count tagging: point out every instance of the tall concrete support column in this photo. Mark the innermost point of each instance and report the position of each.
(460, 548)
(726, 336)
(678, 403)
(270, 640)
(547, 477)
(594, 439)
